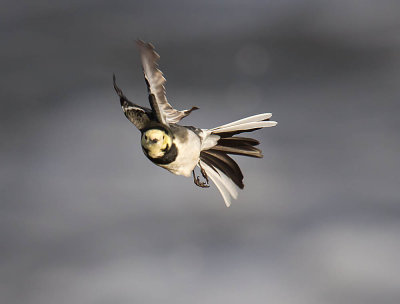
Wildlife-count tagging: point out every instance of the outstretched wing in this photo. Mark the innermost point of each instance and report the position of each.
(138, 115)
(155, 81)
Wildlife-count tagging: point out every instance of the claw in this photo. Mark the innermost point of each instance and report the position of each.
(199, 183)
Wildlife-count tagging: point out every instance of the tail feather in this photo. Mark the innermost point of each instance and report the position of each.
(239, 150)
(224, 163)
(254, 118)
(246, 126)
(238, 141)
(221, 168)
(225, 185)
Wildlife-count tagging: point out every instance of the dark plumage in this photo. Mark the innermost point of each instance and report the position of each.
(170, 155)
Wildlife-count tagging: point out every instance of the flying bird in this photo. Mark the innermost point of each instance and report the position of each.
(179, 149)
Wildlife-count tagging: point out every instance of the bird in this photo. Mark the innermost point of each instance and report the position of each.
(180, 149)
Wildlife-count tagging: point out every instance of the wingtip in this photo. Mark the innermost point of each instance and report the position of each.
(146, 45)
(187, 112)
(116, 88)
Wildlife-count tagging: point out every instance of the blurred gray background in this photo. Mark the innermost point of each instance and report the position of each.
(86, 218)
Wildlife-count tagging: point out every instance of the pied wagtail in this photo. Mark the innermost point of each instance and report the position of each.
(179, 149)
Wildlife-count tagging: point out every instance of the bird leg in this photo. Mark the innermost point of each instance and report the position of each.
(203, 172)
(197, 181)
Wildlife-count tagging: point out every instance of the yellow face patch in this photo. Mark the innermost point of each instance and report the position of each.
(156, 142)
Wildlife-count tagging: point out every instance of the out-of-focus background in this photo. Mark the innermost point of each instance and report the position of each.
(86, 218)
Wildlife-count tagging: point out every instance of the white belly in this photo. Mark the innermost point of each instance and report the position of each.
(188, 155)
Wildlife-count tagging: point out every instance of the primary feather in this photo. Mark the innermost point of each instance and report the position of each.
(156, 86)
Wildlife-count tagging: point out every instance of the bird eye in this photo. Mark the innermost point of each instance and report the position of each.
(145, 137)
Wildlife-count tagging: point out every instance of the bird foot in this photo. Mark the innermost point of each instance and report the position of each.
(197, 181)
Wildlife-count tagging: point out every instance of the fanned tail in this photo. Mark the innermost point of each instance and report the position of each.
(219, 166)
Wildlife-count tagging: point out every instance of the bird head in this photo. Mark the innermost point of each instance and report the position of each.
(156, 142)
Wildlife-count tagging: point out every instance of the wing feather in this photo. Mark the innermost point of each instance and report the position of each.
(137, 115)
(156, 86)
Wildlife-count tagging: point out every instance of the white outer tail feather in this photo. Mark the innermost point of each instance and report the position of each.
(246, 126)
(224, 184)
(252, 122)
(258, 117)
